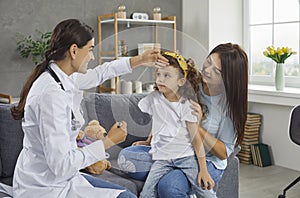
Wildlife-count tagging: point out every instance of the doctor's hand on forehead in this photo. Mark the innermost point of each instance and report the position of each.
(150, 58)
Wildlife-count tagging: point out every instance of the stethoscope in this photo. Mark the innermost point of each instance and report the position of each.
(75, 124)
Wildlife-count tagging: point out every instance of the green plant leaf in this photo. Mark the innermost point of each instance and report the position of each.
(36, 48)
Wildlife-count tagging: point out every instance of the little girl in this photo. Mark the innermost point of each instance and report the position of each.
(175, 142)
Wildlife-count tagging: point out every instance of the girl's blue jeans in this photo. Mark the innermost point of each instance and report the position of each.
(189, 171)
(176, 185)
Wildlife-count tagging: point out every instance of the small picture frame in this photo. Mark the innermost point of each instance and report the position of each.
(142, 47)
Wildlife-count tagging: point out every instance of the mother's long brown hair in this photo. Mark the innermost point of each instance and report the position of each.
(234, 63)
(65, 34)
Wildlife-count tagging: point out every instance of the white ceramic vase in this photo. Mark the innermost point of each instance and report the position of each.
(279, 77)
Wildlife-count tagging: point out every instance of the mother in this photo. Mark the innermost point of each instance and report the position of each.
(224, 91)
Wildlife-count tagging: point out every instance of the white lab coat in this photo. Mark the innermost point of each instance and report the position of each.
(49, 163)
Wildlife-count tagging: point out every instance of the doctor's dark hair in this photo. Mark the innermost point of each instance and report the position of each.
(234, 62)
(64, 35)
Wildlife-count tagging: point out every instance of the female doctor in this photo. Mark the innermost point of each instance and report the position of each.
(49, 163)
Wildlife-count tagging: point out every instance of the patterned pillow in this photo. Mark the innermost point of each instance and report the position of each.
(136, 161)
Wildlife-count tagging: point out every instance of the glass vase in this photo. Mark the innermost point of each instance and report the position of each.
(279, 77)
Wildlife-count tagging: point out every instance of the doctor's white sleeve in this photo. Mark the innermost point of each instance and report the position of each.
(101, 73)
(61, 155)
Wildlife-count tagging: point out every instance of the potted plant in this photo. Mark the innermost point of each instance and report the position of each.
(34, 47)
(279, 55)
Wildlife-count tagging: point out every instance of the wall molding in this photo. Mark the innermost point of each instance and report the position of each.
(268, 95)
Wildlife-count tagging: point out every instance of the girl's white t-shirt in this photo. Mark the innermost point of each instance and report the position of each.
(170, 137)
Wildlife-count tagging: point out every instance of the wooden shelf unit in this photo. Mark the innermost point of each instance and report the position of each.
(113, 19)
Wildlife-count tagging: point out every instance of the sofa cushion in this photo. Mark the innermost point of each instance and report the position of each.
(136, 161)
(117, 171)
(228, 186)
(11, 138)
(0, 166)
(6, 180)
(122, 181)
(229, 183)
(109, 108)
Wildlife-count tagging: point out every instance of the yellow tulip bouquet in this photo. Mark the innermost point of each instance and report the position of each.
(278, 55)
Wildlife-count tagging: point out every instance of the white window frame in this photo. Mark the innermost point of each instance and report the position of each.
(262, 80)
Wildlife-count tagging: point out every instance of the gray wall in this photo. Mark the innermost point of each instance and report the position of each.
(27, 16)
(212, 23)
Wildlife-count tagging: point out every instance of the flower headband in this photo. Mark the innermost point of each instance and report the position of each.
(180, 60)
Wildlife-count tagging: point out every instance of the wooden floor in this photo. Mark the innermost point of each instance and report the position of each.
(267, 182)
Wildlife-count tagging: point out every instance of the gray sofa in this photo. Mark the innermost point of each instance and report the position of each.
(107, 109)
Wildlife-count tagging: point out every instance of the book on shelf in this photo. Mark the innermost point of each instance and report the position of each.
(253, 153)
(245, 148)
(250, 141)
(245, 161)
(261, 155)
(245, 155)
(253, 115)
(251, 136)
(245, 158)
(254, 118)
(252, 127)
